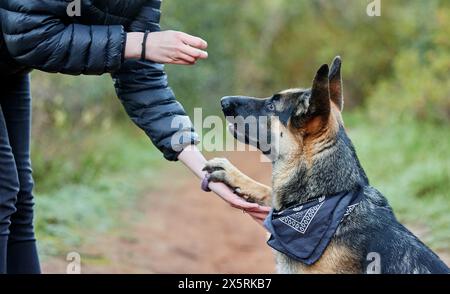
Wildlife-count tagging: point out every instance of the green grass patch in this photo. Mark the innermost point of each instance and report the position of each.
(410, 164)
(105, 173)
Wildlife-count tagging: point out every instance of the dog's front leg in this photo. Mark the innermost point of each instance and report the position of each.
(221, 170)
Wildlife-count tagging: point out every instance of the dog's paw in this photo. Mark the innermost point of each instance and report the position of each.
(221, 170)
(216, 164)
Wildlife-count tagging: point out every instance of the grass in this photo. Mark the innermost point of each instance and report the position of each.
(410, 164)
(117, 164)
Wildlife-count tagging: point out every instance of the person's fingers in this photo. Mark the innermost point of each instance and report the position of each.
(181, 62)
(258, 215)
(194, 41)
(260, 209)
(194, 52)
(231, 198)
(237, 202)
(262, 214)
(241, 204)
(186, 57)
(265, 208)
(248, 206)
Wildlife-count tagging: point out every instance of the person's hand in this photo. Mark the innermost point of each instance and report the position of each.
(261, 215)
(195, 161)
(256, 211)
(170, 47)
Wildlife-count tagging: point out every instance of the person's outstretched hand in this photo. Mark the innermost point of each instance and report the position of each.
(256, 211)
(169, 47)
(195, 161)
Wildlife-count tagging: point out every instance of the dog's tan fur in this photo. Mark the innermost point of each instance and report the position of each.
(335, 260)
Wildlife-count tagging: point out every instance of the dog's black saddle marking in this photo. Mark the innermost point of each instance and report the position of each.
(303, 232)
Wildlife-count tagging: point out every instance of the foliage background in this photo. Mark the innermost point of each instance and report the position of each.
(87, 155)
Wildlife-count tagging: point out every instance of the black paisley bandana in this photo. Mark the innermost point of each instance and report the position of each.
(303, 232)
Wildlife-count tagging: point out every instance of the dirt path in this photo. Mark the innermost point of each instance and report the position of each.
(183, 230)
(179, 229)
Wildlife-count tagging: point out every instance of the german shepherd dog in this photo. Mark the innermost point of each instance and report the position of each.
(315, 158)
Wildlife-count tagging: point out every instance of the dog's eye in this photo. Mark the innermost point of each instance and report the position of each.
(270, 107)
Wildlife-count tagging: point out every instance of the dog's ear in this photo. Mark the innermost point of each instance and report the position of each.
(312, 110)
(319, 103)
(336, 83)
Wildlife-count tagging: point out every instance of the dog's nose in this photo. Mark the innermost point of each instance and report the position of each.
(226, 102)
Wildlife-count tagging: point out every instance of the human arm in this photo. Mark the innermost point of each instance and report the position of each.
(37, 36)
(137, 104)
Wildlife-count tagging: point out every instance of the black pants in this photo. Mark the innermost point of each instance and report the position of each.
(18, 252)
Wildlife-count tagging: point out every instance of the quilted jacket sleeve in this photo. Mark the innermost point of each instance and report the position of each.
(36, 37)
(143, 90)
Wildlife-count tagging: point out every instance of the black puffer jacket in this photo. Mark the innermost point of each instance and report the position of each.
(40, 35)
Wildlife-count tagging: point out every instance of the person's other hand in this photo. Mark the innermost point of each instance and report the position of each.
(169, 47)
